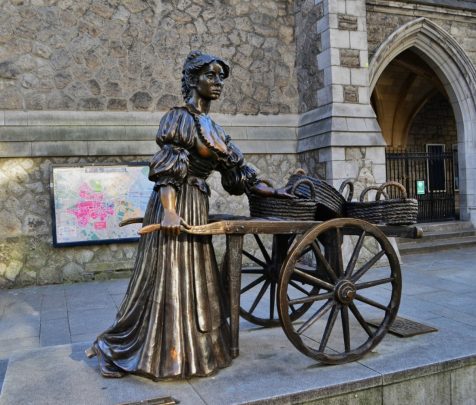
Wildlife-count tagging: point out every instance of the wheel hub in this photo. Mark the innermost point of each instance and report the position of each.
(345, 292)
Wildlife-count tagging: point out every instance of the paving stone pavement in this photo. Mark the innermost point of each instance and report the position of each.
(438, 290)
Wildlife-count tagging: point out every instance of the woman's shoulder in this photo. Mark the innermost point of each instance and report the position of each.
(176, 126)
(178, 113)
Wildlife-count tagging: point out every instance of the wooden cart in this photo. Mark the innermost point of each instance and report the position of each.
(323, 299)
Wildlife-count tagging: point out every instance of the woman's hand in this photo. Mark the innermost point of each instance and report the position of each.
(264, 190)
(170, 223)
(283, 192)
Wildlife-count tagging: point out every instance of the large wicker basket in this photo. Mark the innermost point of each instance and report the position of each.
(329, 202)
(400, 211)
(299, 209)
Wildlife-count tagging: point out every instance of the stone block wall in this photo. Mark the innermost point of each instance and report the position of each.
(384, 17)
(127, 56)
(435, 123)
(27, 255)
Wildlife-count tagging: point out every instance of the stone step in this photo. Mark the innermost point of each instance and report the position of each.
(447, 226)
(437, 235)
(425, 245)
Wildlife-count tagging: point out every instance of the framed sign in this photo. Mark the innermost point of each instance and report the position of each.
(89, 201)
(420, 187)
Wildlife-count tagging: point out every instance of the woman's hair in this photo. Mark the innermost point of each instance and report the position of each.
(195, 61)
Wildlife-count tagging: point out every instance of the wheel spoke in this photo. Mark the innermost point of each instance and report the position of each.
(338, 252)
(321, 312)
(312, 298)
(344, 311)
(293, 310)
(252, 270)
(330, 324)
(298, 287)
(264, 252)
(355, 255)
(371, 302)
(314, 280)
(259, 296)
(373, 283)
(252, 284)
(272, 299)
(255, 259)
(367, 266)
(324, 262)
(360, 318)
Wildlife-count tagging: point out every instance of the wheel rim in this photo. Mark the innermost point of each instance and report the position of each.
(352, 290)
(260, 280)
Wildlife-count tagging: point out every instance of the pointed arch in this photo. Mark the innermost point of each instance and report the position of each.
(458, 75)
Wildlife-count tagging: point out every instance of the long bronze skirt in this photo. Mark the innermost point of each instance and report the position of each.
(171, 323)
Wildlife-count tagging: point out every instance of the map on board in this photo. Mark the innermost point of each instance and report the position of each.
(90, 201)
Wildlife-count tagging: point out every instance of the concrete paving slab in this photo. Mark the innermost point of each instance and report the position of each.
(399, 359)
(52, 302)
(270, 367)
(55, 332)
(17, 327)
(84, 337)
(452, 313)
(117, 286)
(52, 314)
(91, 320)
(10, 346)
(3, 371)
(63, 375)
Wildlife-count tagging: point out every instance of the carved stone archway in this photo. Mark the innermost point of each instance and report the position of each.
(458, 75)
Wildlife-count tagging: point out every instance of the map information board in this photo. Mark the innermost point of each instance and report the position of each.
(89, 202)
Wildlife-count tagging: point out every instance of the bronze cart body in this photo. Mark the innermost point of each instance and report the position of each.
(306, 266)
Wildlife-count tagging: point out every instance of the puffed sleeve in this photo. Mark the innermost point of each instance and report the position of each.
(175, 137)
(237, 177)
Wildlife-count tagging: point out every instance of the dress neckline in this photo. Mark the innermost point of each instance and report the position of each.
(209, 143)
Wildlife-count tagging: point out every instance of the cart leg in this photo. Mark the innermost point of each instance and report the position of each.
(234, 246)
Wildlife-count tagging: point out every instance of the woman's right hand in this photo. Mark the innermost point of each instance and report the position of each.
(170, 223)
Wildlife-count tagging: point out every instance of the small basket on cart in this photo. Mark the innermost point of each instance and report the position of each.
(299, 208)
(398, 211)
(329, 202)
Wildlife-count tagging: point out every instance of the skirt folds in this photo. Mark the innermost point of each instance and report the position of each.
(171, 323)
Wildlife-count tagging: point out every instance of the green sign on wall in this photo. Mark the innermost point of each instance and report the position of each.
(420, 187)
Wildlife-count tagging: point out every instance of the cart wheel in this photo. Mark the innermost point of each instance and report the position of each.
(365, 286)
(260, 279)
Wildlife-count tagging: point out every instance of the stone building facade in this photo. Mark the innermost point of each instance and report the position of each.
(87, 82)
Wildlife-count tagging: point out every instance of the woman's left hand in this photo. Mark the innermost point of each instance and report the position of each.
(282, 192)
(264, 190)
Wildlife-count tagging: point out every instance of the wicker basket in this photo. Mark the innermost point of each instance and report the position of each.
(350, 185)
(400, 211)
(329, 202)
(299, 209)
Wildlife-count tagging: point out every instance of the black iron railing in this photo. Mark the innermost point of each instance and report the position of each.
(428, 177)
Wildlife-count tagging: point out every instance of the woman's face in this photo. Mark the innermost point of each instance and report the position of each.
(209, 82)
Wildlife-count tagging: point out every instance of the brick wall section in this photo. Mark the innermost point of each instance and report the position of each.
(127, 56)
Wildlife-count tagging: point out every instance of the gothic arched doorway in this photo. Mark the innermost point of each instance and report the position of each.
(423, 91)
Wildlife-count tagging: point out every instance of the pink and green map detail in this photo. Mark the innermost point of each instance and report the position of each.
(90, 201)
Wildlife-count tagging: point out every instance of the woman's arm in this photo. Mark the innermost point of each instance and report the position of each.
(171, 221)
(264, 190)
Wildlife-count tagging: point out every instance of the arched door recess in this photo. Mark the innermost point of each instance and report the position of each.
(458, 76)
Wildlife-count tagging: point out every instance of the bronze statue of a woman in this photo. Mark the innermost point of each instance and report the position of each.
(171, 323)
